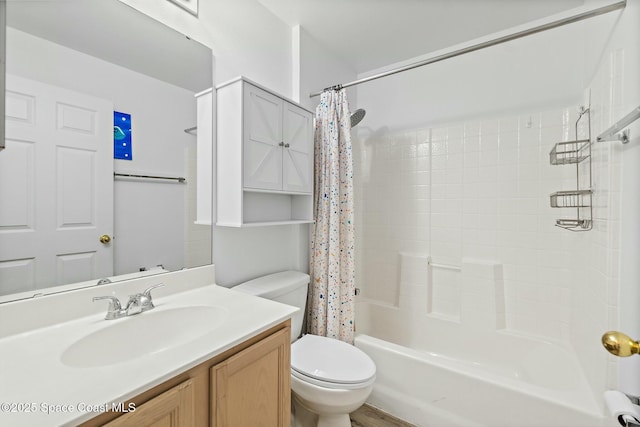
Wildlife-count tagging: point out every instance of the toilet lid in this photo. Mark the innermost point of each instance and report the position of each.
(331, 360)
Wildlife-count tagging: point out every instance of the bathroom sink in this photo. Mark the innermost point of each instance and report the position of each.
(151, 332)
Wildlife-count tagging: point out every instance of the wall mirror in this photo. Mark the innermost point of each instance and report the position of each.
(65, 218)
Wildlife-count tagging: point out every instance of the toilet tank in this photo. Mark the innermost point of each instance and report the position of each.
(288, 287)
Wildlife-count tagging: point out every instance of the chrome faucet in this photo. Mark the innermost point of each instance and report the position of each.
(137, 304)
(115, 309)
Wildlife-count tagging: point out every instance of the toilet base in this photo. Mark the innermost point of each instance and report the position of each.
(301, 416)
(328, 407)
(334, 421)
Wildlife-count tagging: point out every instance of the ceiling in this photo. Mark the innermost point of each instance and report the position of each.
(371, 34)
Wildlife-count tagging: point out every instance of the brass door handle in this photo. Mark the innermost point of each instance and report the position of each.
(105, 238)
(620, 344)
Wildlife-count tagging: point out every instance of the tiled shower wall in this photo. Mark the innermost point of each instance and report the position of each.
(596, 256)
(476, 190)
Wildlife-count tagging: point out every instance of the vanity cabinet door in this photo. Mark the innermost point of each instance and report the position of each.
(173, 408)
(253, 387)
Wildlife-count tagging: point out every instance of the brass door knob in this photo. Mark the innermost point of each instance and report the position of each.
(105, 238)
(620, 344)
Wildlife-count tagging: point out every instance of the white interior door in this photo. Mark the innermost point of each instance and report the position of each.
(262, 140)
(56, 187)
(297, 157)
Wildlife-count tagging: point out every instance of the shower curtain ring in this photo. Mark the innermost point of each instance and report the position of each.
(334, 87)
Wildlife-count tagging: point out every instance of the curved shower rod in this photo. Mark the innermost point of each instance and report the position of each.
(519, 34)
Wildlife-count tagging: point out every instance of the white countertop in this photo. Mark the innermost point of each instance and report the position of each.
(33, 377)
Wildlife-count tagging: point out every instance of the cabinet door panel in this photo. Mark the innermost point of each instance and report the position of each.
(297, 158)
(252, 388)
(173, 408)
(262, 139)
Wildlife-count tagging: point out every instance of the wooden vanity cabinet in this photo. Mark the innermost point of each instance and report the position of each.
(173, 408)
(246, 386)
(253, 387)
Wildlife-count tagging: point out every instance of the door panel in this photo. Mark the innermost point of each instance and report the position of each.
(262, 139)
(73, 268)
(18, 167)
(298, 156)
(18, 275)
(75, 193)
(20, 107)
(296, 167)
(58, 168)
(75, 119)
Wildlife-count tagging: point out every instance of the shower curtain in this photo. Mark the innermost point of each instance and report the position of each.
(331, 292)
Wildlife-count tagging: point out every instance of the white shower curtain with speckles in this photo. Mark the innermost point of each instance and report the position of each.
(331, 292)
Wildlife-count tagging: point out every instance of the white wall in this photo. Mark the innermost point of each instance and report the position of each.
(142, 208)
(316, 68)
(241, 254)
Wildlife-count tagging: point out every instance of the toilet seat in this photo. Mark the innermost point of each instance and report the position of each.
(330, 363)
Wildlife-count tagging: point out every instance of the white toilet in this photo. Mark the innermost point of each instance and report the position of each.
(329, 378)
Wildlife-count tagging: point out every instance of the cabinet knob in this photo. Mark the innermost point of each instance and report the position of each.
(281, 144)
(286, 146)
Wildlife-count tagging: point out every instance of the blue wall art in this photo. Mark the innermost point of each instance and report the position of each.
(122, 136)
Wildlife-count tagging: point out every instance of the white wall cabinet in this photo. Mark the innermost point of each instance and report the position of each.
(264, 157)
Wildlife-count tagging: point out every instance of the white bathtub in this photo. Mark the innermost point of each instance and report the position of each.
(436, 373)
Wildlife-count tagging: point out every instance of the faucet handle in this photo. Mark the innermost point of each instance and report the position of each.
(147, 292)
(144, 299)
(114, 303)
(113, 311)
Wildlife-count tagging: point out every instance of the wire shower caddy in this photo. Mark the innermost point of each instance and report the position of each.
(575, 153)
